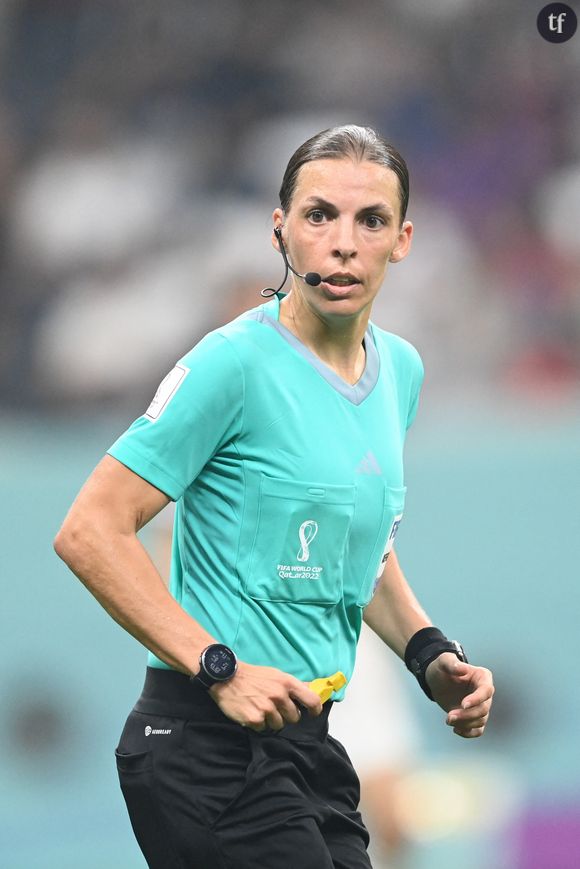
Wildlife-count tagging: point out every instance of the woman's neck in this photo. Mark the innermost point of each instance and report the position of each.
(338, 341)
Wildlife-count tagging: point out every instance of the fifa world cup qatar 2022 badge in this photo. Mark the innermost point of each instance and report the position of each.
(306, 534)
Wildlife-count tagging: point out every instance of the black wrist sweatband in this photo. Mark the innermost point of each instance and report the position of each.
(423, 647)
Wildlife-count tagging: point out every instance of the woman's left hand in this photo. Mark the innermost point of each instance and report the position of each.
(465, 692)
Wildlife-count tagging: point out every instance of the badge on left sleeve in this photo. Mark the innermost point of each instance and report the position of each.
(166, 390)
(389, 545)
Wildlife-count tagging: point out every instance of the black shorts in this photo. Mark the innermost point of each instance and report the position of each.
(205, 793)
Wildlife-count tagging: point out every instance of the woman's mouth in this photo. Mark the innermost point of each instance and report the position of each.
(340, 282)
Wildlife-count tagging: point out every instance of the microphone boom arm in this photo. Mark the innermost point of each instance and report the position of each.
(313, 279)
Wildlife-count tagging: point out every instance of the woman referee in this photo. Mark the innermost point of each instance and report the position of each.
(280, 437)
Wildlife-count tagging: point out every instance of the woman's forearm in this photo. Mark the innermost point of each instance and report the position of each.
(394, 613)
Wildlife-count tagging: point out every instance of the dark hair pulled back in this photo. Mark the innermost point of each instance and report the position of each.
(354, 142)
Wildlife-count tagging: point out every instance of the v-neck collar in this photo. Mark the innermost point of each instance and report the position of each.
(269, 315)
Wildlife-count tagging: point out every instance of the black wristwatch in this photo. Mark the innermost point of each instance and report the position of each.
(217, 663)
(423, 648)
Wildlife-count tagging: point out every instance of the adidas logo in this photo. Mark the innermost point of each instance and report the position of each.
(368, 465)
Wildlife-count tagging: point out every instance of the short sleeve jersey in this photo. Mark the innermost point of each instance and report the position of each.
(289, 487)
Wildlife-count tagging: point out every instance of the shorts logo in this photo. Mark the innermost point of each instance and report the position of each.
(150, 732)
(306, 533)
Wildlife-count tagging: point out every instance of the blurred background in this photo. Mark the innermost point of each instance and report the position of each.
(141, 150)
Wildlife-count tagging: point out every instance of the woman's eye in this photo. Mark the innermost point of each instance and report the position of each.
(316, 216)
(373, 221)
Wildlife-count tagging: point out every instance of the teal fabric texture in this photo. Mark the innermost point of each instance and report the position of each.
(289, 487)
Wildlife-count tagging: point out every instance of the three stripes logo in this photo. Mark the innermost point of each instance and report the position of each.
(368, 465)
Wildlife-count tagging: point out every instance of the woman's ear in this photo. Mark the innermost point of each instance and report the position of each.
(278, 220)
(403, 243)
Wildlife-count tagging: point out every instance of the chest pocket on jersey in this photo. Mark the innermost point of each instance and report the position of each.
(300, 541)
(393, 504)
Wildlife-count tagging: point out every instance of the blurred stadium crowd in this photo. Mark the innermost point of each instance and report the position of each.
(142, 144)
(141, 149)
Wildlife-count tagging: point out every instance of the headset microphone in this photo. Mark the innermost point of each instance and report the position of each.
(313, 279)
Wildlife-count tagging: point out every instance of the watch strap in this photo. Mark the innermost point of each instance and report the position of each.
(204, 679)
(423, 648)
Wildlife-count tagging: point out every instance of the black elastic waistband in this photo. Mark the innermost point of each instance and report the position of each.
(167, 692)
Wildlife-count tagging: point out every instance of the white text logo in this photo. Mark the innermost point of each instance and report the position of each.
(557, 22)
(149, 731)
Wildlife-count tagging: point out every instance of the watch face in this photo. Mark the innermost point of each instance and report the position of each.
(219, 662)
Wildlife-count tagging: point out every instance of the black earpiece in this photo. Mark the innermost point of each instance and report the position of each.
(313, 279)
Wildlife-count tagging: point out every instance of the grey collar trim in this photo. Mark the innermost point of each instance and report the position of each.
(356, 393)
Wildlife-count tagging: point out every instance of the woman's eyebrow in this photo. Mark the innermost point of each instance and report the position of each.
(321, 203)
(377, 207)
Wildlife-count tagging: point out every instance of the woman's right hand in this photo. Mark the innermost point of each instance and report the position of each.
(264, 698)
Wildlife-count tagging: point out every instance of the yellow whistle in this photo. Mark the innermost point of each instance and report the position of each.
(324, 687)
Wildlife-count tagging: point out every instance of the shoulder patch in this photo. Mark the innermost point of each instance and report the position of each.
(166, 390)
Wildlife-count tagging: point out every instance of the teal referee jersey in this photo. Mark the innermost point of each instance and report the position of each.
(289, 487)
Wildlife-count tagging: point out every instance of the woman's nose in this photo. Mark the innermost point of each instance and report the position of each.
(344, 242)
